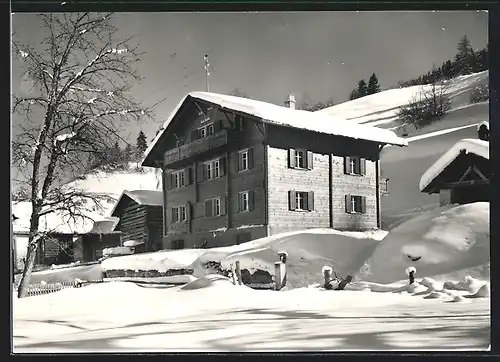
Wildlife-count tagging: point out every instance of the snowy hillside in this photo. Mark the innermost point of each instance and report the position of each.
(381, 109)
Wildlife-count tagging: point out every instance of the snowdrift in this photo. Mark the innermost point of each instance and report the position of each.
(308, 251)
(450, 239)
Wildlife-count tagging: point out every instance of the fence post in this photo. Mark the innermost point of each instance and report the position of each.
(233, 271)
(238, 272)
(279, 272)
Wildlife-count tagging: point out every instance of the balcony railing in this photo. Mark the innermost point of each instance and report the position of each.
(384, 186)
(196, 147)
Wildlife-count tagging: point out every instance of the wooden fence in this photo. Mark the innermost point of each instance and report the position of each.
(41, 289)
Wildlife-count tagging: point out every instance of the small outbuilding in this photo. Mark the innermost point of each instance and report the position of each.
(141, 219)
(462, 175)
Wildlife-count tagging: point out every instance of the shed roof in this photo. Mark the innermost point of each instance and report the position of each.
(140, 197)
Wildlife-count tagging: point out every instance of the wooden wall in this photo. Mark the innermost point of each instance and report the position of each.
(200, 228)
(141, 223)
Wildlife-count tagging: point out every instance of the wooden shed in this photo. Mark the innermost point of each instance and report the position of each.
(141, 218)
(462, 175)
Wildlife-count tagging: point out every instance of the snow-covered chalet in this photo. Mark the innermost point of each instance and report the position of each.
(236, 169)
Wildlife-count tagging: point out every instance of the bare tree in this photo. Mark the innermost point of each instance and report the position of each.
(429, 106)
(82, 72)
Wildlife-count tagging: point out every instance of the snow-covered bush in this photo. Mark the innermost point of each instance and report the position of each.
(481, 93)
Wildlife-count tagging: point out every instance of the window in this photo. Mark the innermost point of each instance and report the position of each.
(205, 131)
(301, 159)
(355, 204)
(179, 179)
(301, 200)
(214, 207)
(179, 213)
(201, 132)
(177, 244)
(213, 169)
(355, 165)
(244, 205)
(210, 129)
(243, 238)
(245, 160)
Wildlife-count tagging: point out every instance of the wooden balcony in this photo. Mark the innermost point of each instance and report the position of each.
(195, 148)
(384, 186)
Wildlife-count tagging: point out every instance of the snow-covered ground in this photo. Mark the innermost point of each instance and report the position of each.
(449, 309)
(211, 314)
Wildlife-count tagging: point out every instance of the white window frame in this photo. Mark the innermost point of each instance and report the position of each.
(206, 130)
(179, 179)
(356, 200)
(300, 155)
(245, 164)
(181, 213)
(213, 169)
(299, 198)
(210, 129)
(216, 206)
(244, 198)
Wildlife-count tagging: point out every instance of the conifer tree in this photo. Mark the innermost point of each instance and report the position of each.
(142, 144)
(362, 88)
(373, 86)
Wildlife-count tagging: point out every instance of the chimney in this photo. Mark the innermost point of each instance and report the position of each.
(290, 102)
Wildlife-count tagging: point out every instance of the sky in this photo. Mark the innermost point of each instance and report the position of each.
(269, 55)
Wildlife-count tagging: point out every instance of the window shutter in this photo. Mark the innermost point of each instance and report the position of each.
(223, 205)
(172, 215)
(217, 125)
(168, 180)
(309, 160)
(362, 166)
(240, 202)
(188, 211)
(194, 135)
(291, 158)
(310, 201)
(292, 201)
(205, 172)
(222, 166)
(250, 158)
(200, 172)
(348, 205)
(347, 165)
(240, 162)
(363, 204)
(251, 200)
(208, 208)
(188, 176)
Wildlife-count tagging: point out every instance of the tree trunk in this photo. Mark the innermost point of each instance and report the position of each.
(30, 255)
(22, 290)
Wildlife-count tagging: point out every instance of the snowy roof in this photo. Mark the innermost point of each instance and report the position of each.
(142, 197)
(469, 145)
(59, 221)
(288, 117)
